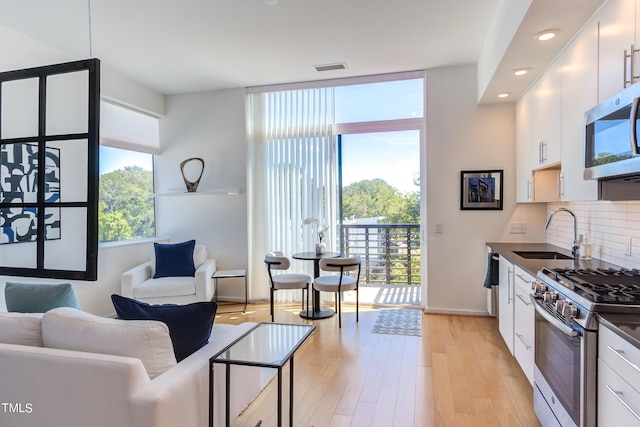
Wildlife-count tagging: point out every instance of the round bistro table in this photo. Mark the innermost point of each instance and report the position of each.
(316, 312)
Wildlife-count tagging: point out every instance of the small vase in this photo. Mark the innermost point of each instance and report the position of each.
(320, 248)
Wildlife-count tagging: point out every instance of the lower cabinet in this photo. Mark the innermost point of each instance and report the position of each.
(517, 315)
(505, 302)
(618, 379)
(524, 323)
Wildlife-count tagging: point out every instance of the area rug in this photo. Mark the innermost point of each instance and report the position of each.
(399, 322)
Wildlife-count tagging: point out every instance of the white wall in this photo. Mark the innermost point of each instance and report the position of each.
(462, 135)
(508, 18)
(24, 52)
(210, 125)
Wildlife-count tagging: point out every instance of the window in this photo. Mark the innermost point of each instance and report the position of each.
(297, 162)
(388, 100)
(126, 209)
(126, 206)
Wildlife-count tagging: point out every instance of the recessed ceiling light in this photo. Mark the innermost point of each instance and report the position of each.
(520, 71)
(503, 95)
(546, 35)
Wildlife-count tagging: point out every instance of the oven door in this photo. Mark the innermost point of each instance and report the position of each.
(564, 375)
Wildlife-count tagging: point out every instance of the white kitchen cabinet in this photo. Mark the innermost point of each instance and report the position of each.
(617, 22)
(505, 301)
(618, 379)
(524, 178)
(579, 94)
(546, 185)
(524, 322)
(538, 140)
(546, 118)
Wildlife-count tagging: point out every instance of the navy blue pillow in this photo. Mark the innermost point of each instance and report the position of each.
(174, 259)
(189, 325)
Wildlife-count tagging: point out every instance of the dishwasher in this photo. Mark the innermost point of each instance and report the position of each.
(492, 279)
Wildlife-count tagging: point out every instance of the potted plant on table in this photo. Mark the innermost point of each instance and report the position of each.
(322, 229)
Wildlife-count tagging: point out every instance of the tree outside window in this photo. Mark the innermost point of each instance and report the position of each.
(126, 203)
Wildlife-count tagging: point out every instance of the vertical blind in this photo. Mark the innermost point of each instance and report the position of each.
(295, 174)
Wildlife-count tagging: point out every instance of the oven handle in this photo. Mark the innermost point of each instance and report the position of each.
(567, 330)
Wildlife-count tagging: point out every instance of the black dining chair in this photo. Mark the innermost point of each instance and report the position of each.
(277, 261)
(338, 283)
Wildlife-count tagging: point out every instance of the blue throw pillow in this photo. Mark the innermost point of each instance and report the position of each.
(39, 298)
(174, 259)
(189, 325)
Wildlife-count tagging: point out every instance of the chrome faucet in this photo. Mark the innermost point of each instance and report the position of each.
(575, 245)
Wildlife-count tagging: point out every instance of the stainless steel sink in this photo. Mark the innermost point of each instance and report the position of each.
(541, 255)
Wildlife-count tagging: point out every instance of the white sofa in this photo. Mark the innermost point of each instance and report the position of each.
(138, 282)
(65, 388)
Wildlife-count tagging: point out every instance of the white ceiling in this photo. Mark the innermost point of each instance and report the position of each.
(180, 46)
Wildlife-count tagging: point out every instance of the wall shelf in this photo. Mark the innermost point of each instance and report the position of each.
(210, 192)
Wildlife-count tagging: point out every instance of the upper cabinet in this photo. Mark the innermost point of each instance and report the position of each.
(524, 179)
(591, 69)
(579, 93)
(617, 33)
(546, 116)
(538, 139)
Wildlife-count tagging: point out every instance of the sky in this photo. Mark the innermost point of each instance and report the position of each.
(112, 159)
(392, 156)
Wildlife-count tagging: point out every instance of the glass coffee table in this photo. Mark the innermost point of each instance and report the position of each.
(267, 345)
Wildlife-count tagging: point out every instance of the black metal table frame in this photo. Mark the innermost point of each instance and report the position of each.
(235, 275)
(316, 312)
(227, 363)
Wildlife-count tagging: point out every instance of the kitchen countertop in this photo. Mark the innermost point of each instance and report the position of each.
(626, 326)
(532, 266)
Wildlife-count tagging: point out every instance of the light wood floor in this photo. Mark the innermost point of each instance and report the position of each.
(459, 373)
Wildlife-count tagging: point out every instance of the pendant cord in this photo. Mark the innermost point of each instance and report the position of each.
(90, 29)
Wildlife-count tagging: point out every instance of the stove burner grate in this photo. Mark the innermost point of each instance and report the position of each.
(604, 285)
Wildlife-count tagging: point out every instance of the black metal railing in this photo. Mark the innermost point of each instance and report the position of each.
(390, 252)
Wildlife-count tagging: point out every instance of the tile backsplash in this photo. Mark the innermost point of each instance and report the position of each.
(612, 228)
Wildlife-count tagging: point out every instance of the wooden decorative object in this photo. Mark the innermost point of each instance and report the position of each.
(192, 186)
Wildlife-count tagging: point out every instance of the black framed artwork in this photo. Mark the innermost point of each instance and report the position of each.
(49, 149)
(481, 190)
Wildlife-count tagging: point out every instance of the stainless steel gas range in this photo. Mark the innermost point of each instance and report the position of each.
(567, 302)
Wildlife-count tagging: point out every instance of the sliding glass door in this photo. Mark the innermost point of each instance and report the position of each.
(379, 199)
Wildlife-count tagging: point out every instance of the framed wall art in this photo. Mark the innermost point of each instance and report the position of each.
(19, 185)
(481, 189)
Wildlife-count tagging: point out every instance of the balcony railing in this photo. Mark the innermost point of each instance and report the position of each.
(390, 252)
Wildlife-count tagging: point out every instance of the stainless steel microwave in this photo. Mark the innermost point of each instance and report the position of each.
(611, 137)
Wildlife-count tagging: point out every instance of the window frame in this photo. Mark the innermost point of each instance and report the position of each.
(151, 195)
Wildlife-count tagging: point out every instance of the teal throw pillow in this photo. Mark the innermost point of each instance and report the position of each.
(174, 259)
(39, 298)
(189, 324)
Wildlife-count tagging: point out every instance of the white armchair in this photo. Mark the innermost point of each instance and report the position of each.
(138, 282)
